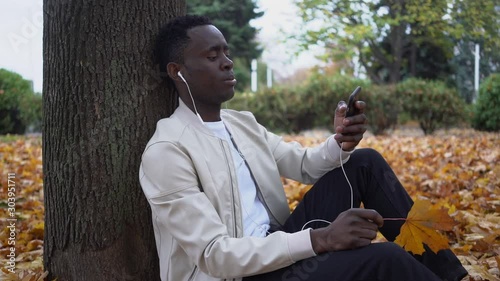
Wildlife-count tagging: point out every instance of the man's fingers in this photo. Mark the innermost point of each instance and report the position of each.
(341, 109)
(344, 136)
(375, 217)
(356, 119)
(368, 234)
(354, 129)
(360, 105)
(371, 215)
(361, 242)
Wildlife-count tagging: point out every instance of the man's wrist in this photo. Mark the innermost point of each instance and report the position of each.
(342, 146)
(316, 241)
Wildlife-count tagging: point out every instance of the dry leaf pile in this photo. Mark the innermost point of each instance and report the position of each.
(458, 170)
(24, 159)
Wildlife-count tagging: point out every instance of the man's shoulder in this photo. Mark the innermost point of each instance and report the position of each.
(239, 116)
(168, 130)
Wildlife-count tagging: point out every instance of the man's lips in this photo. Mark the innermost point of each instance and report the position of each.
(230, 80)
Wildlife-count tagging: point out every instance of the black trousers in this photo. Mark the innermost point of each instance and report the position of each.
(375, 184)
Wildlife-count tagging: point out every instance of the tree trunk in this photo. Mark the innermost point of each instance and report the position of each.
(397, 34)
(102, 98)
(413, 59)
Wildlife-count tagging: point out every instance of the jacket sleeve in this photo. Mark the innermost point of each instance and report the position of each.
(170, 184)
(303, 164)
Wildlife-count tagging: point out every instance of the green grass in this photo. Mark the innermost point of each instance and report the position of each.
(11, 138)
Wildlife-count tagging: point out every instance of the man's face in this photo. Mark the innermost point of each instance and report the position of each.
(207, 68)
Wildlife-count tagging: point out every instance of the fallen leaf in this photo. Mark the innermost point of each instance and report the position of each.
(420, 227)
(466, 182)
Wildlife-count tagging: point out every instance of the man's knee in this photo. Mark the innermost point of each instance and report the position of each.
(367, 153)
(394, 263)
(390, 252)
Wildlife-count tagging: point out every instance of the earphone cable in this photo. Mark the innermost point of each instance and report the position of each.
(348, 182)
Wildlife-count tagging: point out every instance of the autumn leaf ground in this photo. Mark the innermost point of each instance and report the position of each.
(457, 169)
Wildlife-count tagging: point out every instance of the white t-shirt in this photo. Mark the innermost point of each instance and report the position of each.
(255, 218)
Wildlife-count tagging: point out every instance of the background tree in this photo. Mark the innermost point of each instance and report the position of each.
(381, 32)
(463, 66)
(423, 58)
(20, 107)
(481, 20)
(233, 17)
(102, 99)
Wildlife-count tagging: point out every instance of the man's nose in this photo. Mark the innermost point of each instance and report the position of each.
(227, 64)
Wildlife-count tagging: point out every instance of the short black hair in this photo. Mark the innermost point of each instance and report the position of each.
(173, 39)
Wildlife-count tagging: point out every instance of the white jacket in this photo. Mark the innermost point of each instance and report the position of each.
(188, 177)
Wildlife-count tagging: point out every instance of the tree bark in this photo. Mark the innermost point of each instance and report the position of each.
(413, 59)
(396, 37)
(397, 34)
(102, 98)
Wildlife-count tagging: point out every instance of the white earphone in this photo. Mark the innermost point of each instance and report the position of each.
(180, 75)
(189, 90)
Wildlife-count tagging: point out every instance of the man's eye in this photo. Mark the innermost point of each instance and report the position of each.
(212, 58)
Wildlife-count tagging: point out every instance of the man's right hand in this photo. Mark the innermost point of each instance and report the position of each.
(352, 229)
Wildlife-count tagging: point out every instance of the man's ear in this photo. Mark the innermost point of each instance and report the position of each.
(172, 70)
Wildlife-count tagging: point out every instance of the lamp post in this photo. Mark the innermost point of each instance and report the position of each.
(254, 76)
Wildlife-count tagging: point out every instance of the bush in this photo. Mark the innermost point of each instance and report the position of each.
(19, 106)
(383, 107)
(275, 108)
(487, 107)
(431, 103)
(312, 104)
(322, 94)
(293, 109)
(31, 112)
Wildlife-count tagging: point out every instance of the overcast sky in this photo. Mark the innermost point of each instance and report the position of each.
(280, 18)
(21, 24)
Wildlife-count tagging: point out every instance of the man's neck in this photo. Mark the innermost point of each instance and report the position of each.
(208, 114)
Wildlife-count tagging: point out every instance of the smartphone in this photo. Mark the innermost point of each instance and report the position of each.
(353, 98)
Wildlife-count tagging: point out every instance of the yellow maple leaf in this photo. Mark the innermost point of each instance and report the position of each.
(421, 227)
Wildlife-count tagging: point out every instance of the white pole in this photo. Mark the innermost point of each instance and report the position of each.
(254, 76)
(269, 77)
(476, 74)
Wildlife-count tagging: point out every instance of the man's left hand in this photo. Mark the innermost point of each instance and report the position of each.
(349, 130)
